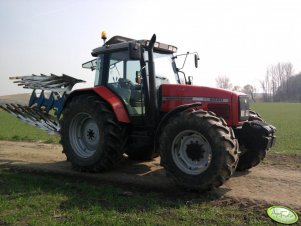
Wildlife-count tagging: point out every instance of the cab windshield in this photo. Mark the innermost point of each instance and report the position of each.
(165, 71)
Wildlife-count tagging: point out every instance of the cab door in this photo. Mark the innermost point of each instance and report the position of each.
(122, 81)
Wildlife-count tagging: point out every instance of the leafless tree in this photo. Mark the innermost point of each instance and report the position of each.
(275, 84)
(250, 90)
(288, 72)
(265, 85)
(236, 88)
(223, 82)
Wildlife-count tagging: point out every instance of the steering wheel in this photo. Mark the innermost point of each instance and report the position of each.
(125, 83)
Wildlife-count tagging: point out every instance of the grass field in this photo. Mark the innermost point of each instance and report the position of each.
(28, 199)
(285, 116)
(14, 129)
(287, 119)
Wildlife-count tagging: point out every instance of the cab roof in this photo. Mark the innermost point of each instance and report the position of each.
(120, 42)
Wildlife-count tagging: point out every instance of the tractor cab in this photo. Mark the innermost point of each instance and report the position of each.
(124, 66)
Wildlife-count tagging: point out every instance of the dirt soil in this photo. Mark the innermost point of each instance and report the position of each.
(278, 183)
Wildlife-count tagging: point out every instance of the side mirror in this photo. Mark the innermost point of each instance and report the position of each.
(138, 77)
(190, 79)
(135, 51)
(196, 60)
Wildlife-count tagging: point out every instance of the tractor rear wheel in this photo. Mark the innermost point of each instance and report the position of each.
(92, 139)
(249, 157)
(198, 150)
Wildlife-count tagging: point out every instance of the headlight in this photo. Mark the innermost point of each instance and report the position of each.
(244, 107)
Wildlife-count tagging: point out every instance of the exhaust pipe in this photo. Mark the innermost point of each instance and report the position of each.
(152, 82)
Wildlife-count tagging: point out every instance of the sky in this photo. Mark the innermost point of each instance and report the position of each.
(239, 39)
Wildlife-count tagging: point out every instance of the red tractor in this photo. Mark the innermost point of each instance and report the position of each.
(143, 105)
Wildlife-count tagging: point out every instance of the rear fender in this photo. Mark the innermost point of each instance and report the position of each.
(108, 96)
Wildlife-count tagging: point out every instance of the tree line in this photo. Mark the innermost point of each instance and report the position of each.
(223, 82)
(279, 84)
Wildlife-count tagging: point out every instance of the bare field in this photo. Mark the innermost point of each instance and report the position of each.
(17, 98)
(266, 183)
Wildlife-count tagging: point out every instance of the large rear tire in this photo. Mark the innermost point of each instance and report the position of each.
(250, 158)
(92, 138)
(198, 150)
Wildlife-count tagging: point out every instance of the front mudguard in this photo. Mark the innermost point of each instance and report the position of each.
(256, 135)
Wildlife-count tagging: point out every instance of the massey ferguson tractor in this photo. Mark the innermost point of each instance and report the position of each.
(143, 105)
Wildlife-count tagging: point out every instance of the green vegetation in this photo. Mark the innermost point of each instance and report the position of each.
(27, 199)
(14, 129)
(286, 117)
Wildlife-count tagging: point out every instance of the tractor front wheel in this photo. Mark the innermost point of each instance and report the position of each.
(198, 150)
(251, 157)
(91, 136)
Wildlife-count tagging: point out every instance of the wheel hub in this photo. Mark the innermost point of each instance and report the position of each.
(191, 152)
(195, 151)
(90, 131)
(84, 135)
(91, 135)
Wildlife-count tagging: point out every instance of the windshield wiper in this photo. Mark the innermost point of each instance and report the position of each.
(160, 77)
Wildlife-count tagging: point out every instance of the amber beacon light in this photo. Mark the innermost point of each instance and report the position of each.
(103, 36)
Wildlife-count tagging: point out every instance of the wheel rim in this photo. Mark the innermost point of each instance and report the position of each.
(191, 152)
(84, 135)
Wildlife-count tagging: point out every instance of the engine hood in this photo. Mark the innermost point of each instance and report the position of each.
(224, 103)
(201, 94)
